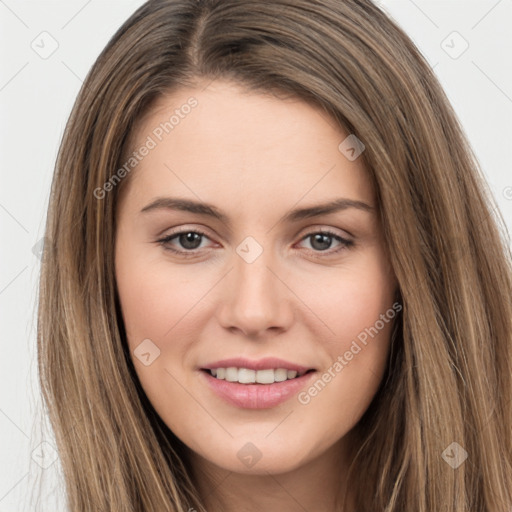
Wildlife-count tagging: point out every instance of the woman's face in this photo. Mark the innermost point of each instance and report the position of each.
(253, 278)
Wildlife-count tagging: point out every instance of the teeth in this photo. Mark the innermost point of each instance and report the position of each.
(265, 376)
(232, 374)
(280, 375)
(247, 376)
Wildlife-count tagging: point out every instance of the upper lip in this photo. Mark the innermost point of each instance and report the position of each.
(260, 364)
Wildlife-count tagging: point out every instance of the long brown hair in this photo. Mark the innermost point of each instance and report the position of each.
(449, 378)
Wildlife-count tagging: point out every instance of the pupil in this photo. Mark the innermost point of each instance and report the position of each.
(188, 240)
(324, 241)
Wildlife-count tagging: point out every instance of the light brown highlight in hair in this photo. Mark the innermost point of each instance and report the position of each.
(449, 378)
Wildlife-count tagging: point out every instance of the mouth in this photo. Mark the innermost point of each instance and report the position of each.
(256, 384)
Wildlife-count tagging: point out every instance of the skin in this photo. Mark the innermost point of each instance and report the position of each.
(255, 157)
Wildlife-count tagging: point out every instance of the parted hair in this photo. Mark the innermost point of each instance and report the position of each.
(448, 379)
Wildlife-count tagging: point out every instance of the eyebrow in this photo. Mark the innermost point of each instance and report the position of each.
(188, 205)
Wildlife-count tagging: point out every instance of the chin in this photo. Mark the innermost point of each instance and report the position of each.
(257, 457)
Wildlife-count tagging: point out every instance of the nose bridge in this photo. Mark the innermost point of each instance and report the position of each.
(254, 281)
(255, 298)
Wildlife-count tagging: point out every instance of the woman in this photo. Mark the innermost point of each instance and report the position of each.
(340, 338)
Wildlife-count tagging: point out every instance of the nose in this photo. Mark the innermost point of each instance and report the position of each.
(255, 298)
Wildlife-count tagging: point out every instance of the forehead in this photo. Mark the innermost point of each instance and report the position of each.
(231, 146)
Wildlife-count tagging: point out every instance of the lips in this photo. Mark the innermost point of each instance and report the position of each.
(256, 395)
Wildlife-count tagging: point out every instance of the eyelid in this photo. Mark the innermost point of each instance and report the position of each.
(319, 228)
(184, 228)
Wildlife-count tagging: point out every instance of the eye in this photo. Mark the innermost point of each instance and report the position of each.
(190, 240)
(321, 241)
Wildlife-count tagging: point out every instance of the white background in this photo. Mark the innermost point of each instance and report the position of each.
(36, 95)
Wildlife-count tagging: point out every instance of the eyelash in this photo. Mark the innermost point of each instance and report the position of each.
(345, 244)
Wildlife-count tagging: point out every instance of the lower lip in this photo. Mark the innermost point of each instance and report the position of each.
(256, 396)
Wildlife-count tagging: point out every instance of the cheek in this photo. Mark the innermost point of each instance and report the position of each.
(336, 400)
(155, 299)
(158, 304)
(164, 303)
(357, 312)
(347, 300)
